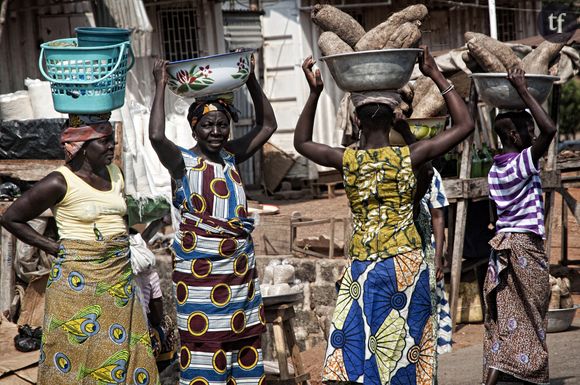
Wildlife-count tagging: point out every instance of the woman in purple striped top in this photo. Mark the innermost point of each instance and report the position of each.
(517, 290)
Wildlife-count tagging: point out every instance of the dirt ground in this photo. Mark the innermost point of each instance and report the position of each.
(323, 208)
(466, 335)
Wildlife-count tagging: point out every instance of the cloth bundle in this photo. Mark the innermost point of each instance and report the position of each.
(83, 128)
(141, 257)
(351, 101)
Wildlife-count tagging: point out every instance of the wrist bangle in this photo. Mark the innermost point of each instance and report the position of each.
(451, 86)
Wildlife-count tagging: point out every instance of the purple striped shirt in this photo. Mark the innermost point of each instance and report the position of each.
(516, 188)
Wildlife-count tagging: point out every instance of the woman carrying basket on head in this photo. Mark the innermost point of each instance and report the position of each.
(382, 330)
(94, 329)
(220, 315)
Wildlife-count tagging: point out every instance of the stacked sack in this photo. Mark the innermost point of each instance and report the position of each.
(560, 297)
(279, 279)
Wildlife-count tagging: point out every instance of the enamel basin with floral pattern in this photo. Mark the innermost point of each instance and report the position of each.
(209, 75)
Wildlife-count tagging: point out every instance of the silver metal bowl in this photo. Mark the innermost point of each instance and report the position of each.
(497, 91)
(560, 319)
(388, 69)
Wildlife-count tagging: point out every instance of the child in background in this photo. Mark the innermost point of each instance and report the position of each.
(429, 216)
(162, 327)
(436, 201)
(517, 289)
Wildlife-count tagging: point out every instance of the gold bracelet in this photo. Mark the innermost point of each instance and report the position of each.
(451, 86)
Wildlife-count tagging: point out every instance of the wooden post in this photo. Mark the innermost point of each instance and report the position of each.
(549, 216)
(564, 240)
(551, 165)
(294, 350)
(280, 343)
(461, 213)
(6, 269)
(331, 241)
(451, 230)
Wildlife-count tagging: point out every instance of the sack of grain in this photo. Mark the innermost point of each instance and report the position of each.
(15, 106)
(41, 99)
(283, 274)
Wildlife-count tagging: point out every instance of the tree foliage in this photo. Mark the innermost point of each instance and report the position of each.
(570, 107)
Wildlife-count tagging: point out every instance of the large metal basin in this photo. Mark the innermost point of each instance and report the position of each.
(560, 319)
(388, 69)
(497, 91)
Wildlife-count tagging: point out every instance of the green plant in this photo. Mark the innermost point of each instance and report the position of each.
(570, 108)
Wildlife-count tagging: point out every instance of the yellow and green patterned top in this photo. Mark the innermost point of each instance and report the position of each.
(380, 185)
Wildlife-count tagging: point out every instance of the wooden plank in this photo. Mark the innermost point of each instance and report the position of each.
(28, 169)
(549, 214)
(453, 188)
(29, 374)
(276, 164)
(450, 232)
(572, 164)
(564, 235)
(571, 202)
(12, 360)
(551, 179)
(554, 112)
(461, 213)
(273, 380)
(476, 188)
(280, 345)
(331, 245)
(332, 176)
(13, 379)
(457, 256)
(272, 235)
(7, 251)
(295, 352)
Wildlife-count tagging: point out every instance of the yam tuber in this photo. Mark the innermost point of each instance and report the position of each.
(566, 302)
(406, 93)
(538, 61)
(503, 52)
(379, 36)
(406, 36)
(487, 60)
(564, 284)
(334, 20)
(427, 101)
(331, 44)
(404, 108)
(554, 297)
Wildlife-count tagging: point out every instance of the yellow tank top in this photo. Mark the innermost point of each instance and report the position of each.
(380, 185)
(86, 213)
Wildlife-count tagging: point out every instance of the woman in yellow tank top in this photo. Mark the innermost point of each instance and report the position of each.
(94, 328)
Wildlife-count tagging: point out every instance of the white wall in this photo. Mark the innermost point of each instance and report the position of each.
(289, 37)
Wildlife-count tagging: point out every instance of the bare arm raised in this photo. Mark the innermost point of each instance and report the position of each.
(425, 150)
(42, 196)
(319, 153)
(244, 147)
(168, 153)
(545, 123)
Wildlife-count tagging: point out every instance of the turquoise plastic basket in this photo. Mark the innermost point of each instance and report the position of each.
(86, 80)
(100, 36)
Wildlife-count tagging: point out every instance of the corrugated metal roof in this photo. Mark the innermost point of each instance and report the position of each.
(242, 29)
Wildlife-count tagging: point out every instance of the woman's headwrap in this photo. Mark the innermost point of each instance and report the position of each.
(202, 106)
(390, 98)
(81, 129)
